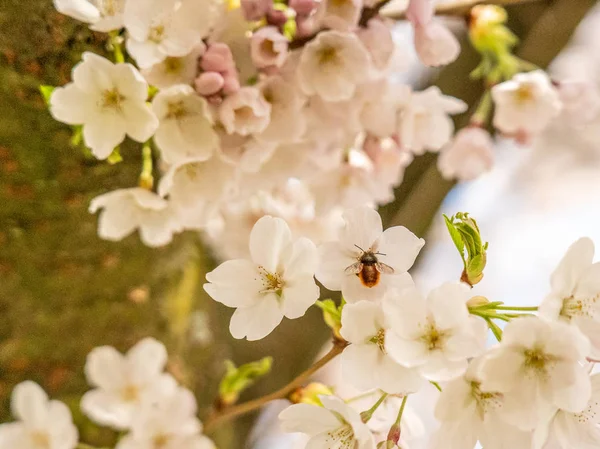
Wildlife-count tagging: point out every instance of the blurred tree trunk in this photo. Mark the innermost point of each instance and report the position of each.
(64, 291)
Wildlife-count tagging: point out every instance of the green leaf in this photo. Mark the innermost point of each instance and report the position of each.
(332, 314)
(455, 236)
(237, 379)
(46, 92)
(115, 157)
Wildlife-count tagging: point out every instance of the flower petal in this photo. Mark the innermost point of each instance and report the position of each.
(235, 283)
(146, 359)
(578, 258)
(257, 321)
(333, 261)
(361, 321)
(363, 228)
(270, 236)
(298, 295)
(401, 247)
(105, 367)
(29, 403)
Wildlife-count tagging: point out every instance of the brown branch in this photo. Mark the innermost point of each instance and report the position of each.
(218, 418)
(457, 8)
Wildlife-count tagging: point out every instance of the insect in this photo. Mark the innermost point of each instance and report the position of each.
(368, 268)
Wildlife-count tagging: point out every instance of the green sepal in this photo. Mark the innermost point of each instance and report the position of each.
(237, 379)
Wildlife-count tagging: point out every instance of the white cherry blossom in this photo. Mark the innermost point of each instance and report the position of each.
(125, 210)
(245, 112)
(365, 362)
(161, 28)
(247, 153)
(41, 423)
(175, 69)
(537, 368)
(332, 65)
(288, 122)
(168, 423)
(268, 47)
(436, 334)
(526, 103)
(467, 415)
(575, 295)
(276, 282)
(468, 156)
(124, 382)
(186, 127)
(109, 100)
(567, 430)
(102, 15)
(361, 236)
(378, 40)
(335, 425)
(425, 123)
(196, 189)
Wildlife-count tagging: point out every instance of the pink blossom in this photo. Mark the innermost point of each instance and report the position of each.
(218, 58)
(268, 47)
(468, 156)
(209, 83)
(256, 9)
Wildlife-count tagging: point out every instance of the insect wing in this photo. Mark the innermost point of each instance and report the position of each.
(383, 268)
(355, 268)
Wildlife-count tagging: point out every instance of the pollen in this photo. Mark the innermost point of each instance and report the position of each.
(342, 438)
(272, 282)
(328, 55)
(112, 99)
(584, 307)
(434, 338)
(379, 340)
(524, 94)
(537, 361)
(130, 393)
(40, 440)
(173, 65)
(156, 34)
(176, 110)
(160, 441)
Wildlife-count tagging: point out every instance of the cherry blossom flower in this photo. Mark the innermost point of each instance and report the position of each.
(335, 425)
(161, 28)
(247, 153)
(332, 65)
(196, 189)
(255, 9)
(378, 40)
(109, 100)
(41, 423)
(575, 292)
(288, 123)
(436, 334)
(366, 261)
(123, 382)
(186, 128)
(537, 369)
(102, 15)
(169, 423)
(268, 47)
(245, 112)
(527, 103)
(467, 415)
(425, 124)
(277, 282)
(434, 43)
(341, 14)
(468, 156)
(365, 363)
(125, 210)
(567, 430)
(175, 69)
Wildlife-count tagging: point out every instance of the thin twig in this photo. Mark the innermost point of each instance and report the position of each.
(220, 417)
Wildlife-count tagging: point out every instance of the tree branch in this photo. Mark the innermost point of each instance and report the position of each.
(229, 413)
(456, 8)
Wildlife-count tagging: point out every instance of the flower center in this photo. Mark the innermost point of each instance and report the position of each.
(434, 338)
(537, 361)
(130, 393)
(40, 440)
(342, 437)
(272, 282)
(578, 307)
(244, 113)
(173, 65)
(268, 47)
(160, 441)
(156, 33)
(379, 340)
(110, 7)
(524, 94)
(327, 55)
(112, 99)
(485, 401)
(176, 110)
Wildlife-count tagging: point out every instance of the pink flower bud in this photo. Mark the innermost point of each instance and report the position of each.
(435, 44)
(218, 58)
(209, 83)
(255, 9)
(305, 26)
(303, 7)
(419, 12)
(276, 18)
(268, 47)
(232, 83)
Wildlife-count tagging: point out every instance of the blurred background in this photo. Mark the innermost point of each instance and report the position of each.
(64, 291)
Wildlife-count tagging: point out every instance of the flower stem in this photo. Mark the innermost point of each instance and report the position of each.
(115, 45)
(459, 7)
(494, 328)
(394, 433)
(146, 176)
(218, 418)
(517, 309)
(367, 414)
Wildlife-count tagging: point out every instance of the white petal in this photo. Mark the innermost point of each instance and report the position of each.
(333, 260)
(501, 369)
(71, 105)
(141, 123)
(409, 353)
(130, 82)
(269, 237)
(257, 321)
(147, 359)
(298, 295)
(235, 283)
(401, 247)
(575, 398)
(363, 228)
(105, 367)
(104, 133)
(301, 259)
(589, 282)
(309, 419)
(405, 310)
(361, 321)
(107, 409)
(579, 257)
(454, 401)
(94, 74)
(63, 430)
(439, 368)
(29, 403)
(81, 10)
